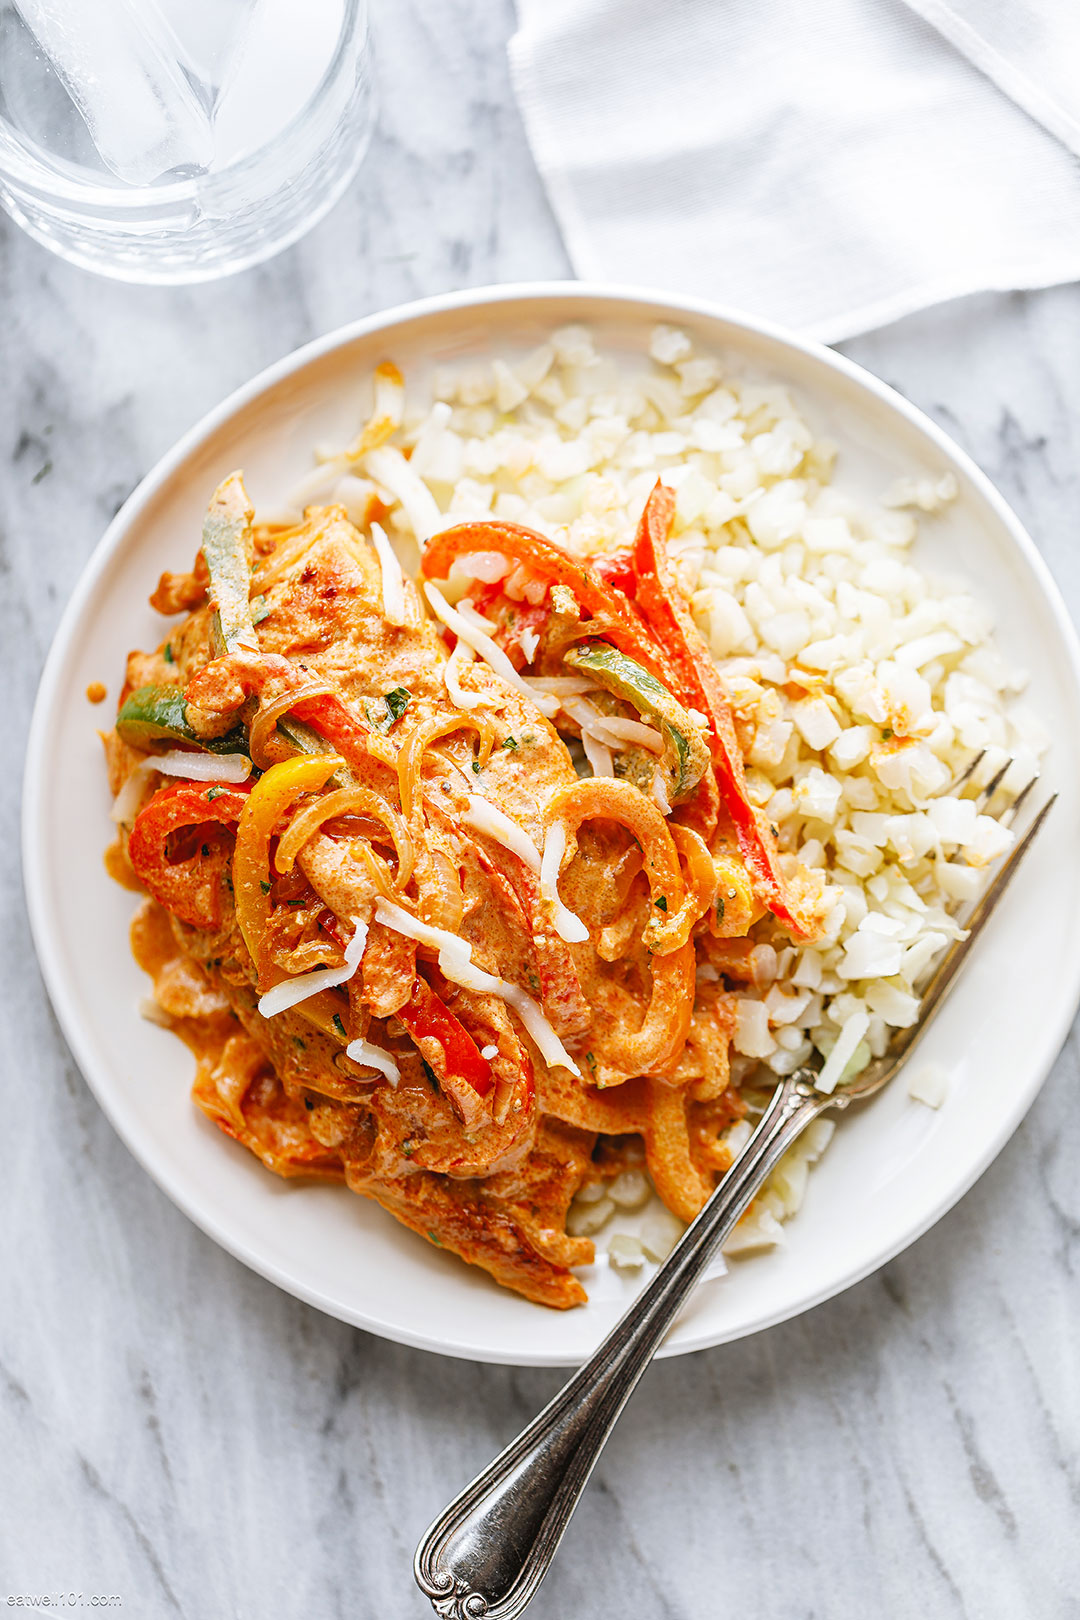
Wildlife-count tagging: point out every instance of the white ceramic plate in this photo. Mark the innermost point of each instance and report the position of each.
(890, 1172)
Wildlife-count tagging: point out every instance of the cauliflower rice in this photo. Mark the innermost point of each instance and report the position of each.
(863, 687)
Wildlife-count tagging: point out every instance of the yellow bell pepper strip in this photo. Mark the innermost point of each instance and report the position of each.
(227, 546)
(619, 621)
(699, 686)
(267, 802)
(685, 753)
(158, 714)
(191, 888)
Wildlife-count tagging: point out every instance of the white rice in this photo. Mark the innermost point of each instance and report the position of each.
(831, 639)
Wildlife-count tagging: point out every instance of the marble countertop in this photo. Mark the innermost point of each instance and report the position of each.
(176, 1432)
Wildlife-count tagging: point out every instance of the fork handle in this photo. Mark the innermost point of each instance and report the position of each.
(487, 1553)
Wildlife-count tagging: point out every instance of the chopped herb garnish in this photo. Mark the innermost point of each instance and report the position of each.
(214, 793)
(397, 701)
(296, 903)
(260, 608)
(591, 1061)
(408, 1148)
(167, 653)
(887, 733)
(476, 766)
(299, 1041)
(429, 1074)
(340, 1027)
(510, 742)
(42, 472)
(720, 909)
(661, 904)
(264, 886)
(774, 829)
(433, 1239)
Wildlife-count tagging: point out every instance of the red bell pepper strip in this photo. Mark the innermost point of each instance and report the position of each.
(667, 612)
(191, 888)
(427, 1017)
(616, 568)
(622, 624)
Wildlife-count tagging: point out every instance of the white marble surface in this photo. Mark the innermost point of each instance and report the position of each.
(175, 1431)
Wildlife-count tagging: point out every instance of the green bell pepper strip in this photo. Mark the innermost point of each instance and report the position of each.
(227, 547)
(158, 714)
(685, 752)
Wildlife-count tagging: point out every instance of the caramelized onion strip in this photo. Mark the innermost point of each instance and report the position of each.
(265, 722)
(347, 801)
(411, 758)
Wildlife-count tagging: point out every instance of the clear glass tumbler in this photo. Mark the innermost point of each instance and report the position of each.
(179, 140)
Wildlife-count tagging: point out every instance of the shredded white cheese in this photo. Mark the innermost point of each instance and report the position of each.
(567, 924)
(290, 992)
(487, 818)
(612, 730)
(393, 581)
(202, 767)
(470, 631)
(461, 655)
(374, 1057)
(598, 755)
(560, 685)
(390, 469)
(456, 963)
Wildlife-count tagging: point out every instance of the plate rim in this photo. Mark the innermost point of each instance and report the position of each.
(157, 1168)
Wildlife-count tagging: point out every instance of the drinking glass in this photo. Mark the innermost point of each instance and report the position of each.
(179, 140)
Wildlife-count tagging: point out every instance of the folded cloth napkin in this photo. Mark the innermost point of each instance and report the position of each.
(832, 166)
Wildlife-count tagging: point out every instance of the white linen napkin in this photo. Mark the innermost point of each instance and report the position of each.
(832, 166)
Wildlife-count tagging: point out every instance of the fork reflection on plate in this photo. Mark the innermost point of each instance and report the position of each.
(487, 1553)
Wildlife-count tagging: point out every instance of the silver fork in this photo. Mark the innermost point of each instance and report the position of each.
(487, 1553)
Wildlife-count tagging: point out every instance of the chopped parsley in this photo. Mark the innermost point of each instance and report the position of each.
(510, 742)
(214, 793)
(887, 734)
(167, 653)
(264, 886)
(476, 766)
(433, 1239)
(408, 1148)
(429, 1074)
(299, 1041)
(591, 1061)
(340, 1027)
(661, 904)
(720, 908)
(260, 609)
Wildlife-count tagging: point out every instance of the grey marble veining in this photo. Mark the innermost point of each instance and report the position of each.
(175, 1431)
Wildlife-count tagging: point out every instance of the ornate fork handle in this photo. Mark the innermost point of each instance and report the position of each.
(488, 1552)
